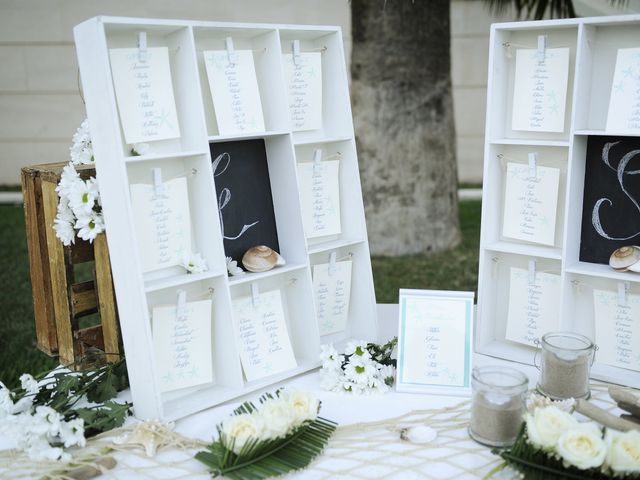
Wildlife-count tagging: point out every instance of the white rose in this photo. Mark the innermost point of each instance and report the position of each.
(239, 429)
(546, 425)
(582, 446)
(624, 451)
(303, 405)
(278, 418)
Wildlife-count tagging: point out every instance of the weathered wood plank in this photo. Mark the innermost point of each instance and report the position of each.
(106, 299)
(84, 300)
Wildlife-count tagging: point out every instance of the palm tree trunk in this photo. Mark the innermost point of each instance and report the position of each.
(403, 113)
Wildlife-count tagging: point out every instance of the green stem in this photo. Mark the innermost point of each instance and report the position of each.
(495, 470)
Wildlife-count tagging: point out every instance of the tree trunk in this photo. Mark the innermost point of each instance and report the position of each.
(403, 114)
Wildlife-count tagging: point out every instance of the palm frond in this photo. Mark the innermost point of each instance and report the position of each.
(264, 459)
(535, 464)
(537, 9)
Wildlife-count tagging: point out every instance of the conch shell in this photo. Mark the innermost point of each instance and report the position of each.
(626, 258)
(261, 259)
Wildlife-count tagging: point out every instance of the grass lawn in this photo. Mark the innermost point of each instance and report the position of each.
(453, 270)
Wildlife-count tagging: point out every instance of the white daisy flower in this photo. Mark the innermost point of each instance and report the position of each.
(72, 433)
(89, 226)
(68, 177)
(194, 263)
(233, 268)
(357, 348)
(29, 384)
(82, 149)
(82, 197)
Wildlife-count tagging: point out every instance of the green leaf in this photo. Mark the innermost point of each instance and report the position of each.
(259, 460)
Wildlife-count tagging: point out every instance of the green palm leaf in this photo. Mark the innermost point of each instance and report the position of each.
(267, 458)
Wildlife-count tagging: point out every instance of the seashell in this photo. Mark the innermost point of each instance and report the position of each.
(261, 259)
(625, 257)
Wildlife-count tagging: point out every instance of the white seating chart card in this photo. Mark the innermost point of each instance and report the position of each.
(182, 344)
(434, 341)
(162, 223)
(624, 103)
(144, 93)
(319, 184)
(534, 306)
(304, 90)
(234, 89)
(530, 203)
(540, 90)
(617, 328)
(332, 290)
(263, 340)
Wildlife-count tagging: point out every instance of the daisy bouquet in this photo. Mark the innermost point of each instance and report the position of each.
(363, 368)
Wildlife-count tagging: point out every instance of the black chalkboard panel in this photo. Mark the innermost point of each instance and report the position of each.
(611, 207)
(245, 203)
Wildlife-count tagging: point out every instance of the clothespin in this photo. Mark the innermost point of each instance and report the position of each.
(255, 294)
(142, 46)
(231, 53)
(623, 294)
(542, 46)
(333, 256)
(532, 272)
(181, 303)
(158, 186)
(295, 49)
(533, 160)
(317, 159)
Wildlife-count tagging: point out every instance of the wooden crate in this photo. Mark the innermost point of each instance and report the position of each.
(59, 301)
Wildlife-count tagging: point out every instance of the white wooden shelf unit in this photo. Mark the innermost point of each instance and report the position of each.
(593, 44)
(138, 293)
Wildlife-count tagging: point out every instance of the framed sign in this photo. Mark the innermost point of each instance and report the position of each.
(611, 205)
(434, 342)
(245, 203)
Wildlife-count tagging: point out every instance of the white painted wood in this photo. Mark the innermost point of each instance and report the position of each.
(594, 43)
(138, 293)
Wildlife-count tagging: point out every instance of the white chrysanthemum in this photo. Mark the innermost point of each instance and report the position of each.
(38, 448)
(623, 455)
(50, 419)
(64, 222)
(140, 148)
(233, 268)
(330, 358)
(387, 374)
(82, 149)
(89, 226)
(194, 263)
(546, 425)
(68, 178)
(72, 433)
(82, 197)
(361, 374)
(303, 405)
(29, 384)
(358, 349)
(582, 446)
(331, 380)
(278, 418)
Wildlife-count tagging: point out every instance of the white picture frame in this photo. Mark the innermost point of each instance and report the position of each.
(432, 327)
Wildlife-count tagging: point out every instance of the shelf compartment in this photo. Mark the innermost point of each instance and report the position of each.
(502, 77)
(333, 245)
(178, 280)
(493, 207)
(179, 41)
(151, 157)
(266, 48)
(602, 133)
(336, 110)
(309, 141)
(246, 136)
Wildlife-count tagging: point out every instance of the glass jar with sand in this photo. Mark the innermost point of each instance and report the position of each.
(498, 405)
(566, 365)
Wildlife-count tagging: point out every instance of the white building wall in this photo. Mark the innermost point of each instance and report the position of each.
(40, 105)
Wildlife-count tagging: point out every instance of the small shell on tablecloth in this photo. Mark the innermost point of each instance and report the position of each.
(625, 258)
(261, 259)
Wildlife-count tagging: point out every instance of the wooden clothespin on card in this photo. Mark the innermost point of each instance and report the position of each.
(232, 56)
(333, 257)
(542, 47)
(158, 185)
(255, 295)
(142, 47)
(532, 272)
(181, 302)
(533, 161)
(295, 50)
(317, 159)
(623, 294)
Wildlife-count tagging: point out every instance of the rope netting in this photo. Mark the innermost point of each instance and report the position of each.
(371, 450)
